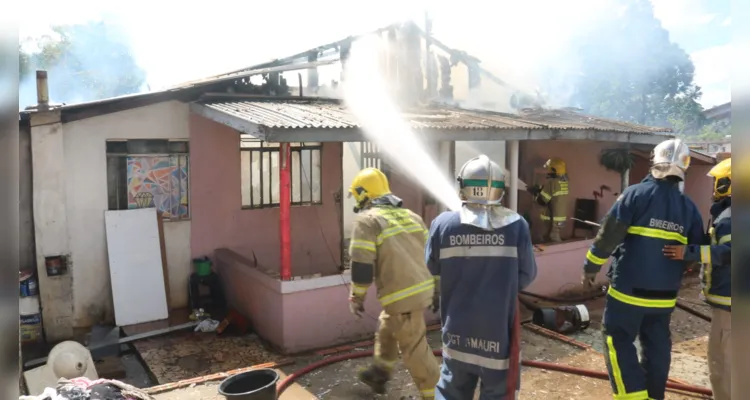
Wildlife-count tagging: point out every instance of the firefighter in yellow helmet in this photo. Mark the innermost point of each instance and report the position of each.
(715, 255)
(387, 248)
(553, 196)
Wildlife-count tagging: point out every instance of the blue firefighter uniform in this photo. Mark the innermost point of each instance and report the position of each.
(643, 282)
(480, 273)
(716, 257)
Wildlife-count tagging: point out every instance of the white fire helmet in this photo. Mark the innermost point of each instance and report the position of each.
(481, 188)
(670, 158)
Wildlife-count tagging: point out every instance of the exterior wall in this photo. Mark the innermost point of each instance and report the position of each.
(51, 225)
(86, 191)
(27, 256)
(585, 173)
(559, 268)
(281, 312)
(218, 220)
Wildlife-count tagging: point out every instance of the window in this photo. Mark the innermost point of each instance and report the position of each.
(149, 173)
(260, 173)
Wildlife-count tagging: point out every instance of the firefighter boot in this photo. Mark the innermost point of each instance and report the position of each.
(554, 234)
(376, 378)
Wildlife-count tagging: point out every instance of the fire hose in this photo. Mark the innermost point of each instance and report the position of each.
(291, 378)
(514, 371)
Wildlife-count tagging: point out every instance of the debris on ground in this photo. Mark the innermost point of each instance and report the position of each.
(338, 381)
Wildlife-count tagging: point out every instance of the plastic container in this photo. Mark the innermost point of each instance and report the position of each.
(27, 283)
(31, 319)
(258, 384)
(202, 266)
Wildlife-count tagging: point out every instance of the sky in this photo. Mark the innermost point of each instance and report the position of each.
(181, 41)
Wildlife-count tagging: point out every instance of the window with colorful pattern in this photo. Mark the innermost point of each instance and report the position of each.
(149, 173)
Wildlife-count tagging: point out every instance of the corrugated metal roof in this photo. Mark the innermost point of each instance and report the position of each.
(333, 115)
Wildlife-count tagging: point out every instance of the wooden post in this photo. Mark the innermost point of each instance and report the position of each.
(285, 205)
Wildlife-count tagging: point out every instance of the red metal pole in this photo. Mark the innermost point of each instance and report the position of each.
(285, 205)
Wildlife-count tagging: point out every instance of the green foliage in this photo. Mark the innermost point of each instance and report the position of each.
(617, 160)
(631, 71)
(85, 62)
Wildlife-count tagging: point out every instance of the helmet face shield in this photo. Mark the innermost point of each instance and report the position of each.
(482, 187)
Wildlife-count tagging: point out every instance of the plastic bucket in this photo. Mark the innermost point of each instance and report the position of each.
(202, 266)
(31, 319)
(27, 284)
(258, 384)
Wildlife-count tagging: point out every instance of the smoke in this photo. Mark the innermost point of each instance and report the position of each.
(531, 45)
(85, 62)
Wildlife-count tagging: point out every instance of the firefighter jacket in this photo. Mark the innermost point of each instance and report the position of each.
(647, 216)
(554, 196)
(716, 257)
(479, 274)
(387, 248)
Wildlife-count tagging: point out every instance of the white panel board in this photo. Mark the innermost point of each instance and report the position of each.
(135, 266)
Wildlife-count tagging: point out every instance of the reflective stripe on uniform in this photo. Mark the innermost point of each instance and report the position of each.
(363, 245)
(657, 234)
(484, 362)
(725, 239)
(621, 394)
(716, 299)
(359, 290)
(395, 230)
(428, 392)
(479, 251)
(640, 302)
(706, 254)
(556, 219)
(545, 195)
(594, 259)
(410, 291)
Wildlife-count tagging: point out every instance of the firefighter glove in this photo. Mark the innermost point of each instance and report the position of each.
(435, 307)
(356, 306)
(589, 279)
(534, 189)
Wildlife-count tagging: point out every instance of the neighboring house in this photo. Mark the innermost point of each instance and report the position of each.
(211, 156)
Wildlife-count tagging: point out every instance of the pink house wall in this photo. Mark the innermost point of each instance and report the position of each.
(218, 220)
(585, 173)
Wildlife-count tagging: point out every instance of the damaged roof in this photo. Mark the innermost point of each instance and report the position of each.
(328, 114)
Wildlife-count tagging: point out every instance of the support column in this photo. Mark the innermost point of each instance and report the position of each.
(513, 167)
(285, 206)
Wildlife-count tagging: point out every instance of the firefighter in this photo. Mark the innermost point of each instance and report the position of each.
(387, 248)
(643, 283)
(553, 196)
(480, 256)
(716, 273)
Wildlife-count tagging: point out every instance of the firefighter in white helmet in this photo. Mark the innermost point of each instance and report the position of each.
(387, 248)
(481, 256)
(553, 196)
(643, 283)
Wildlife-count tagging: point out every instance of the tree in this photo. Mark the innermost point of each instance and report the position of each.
(85, 62)
(631, 71)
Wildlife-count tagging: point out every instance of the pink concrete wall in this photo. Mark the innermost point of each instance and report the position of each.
(285, 318)
(560, 268)
(218, 220)
(584, 171)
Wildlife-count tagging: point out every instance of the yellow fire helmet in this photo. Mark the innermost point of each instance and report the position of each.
(556, 165)
(368, 184)
(722, 174)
